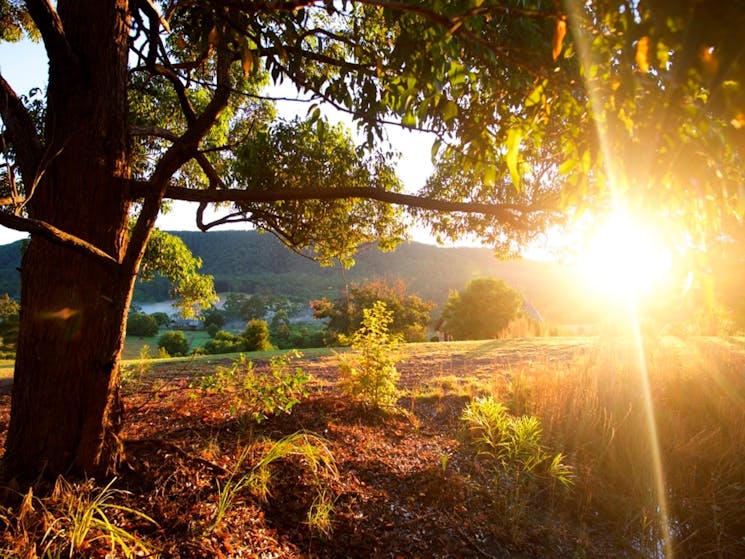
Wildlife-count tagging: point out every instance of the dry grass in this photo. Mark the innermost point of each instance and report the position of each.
(597, 412)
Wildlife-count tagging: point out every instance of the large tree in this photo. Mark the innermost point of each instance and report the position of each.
(146, 104)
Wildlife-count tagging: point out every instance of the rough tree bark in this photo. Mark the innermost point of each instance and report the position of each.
(66, 409)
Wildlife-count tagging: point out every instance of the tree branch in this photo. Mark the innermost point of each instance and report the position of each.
(20, 132)
(50, 26)
(55, 235)
(183, 149)
(510, 213)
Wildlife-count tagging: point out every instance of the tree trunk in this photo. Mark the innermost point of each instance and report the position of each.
(66, 409)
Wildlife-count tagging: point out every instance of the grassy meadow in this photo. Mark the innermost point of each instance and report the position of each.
(648, 435)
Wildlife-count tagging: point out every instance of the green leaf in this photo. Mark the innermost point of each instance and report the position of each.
(449, 111)
(514, 137)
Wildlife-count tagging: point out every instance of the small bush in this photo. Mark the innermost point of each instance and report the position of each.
(513, 445)
(174, 342)
(142, 325)
(225, 342)
(256, 336)
(259, 395)
(370, 372)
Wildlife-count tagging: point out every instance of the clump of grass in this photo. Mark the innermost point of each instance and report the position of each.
(317, 460)
(74, 519)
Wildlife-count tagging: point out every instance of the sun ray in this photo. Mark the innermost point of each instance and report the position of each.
(576, 16)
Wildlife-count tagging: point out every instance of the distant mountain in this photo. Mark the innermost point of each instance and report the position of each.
(250, 262)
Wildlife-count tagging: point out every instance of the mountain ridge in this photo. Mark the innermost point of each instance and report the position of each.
(253, 262)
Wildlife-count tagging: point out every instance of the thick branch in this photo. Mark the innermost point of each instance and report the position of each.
(55, 235)
(50, 26)
(509, 213)
(20, 131)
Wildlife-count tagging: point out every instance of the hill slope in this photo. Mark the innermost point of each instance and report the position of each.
(251, 262)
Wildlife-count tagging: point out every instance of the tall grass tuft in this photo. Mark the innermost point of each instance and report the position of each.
(523, 466)
(74, 520)
(317, 460)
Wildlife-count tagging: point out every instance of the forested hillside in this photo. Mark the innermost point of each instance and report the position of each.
(250, 262)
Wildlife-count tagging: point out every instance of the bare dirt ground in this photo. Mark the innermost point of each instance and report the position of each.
(408, 485)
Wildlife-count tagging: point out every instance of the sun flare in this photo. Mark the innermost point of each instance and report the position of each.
(626, 257)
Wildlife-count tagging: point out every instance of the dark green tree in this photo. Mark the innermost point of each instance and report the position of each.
(161, 318)
(481, 311)
(142, 325)
(256, 336)
(174, 342)
(9, 321)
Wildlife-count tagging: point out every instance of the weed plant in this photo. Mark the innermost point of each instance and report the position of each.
(370, 371)
(256, 395)
(523, 467)
(317, 460)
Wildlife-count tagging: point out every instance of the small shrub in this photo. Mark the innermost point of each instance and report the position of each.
(513, 444)
(257, 396)
(174, 342)
(225, 342)
(370, 372)
(256, 336)
(212, 329)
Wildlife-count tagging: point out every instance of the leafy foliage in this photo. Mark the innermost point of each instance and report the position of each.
(174, 342)
(142, 325)
(258, 395)
(168, 256)
(370, 372)
(481, 311)
(410, 314)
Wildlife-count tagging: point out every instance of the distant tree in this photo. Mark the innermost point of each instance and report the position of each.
(280, 331)
(142, 325)
(410, 314)
(481, 311)
(161, 318)
(213, 317)
(253, 308)
(256, 336)
(232, 304)
(174, 342)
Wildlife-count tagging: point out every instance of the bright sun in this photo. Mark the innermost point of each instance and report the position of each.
(625, 257)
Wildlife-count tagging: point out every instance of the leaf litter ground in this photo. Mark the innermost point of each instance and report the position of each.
(408, 484)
